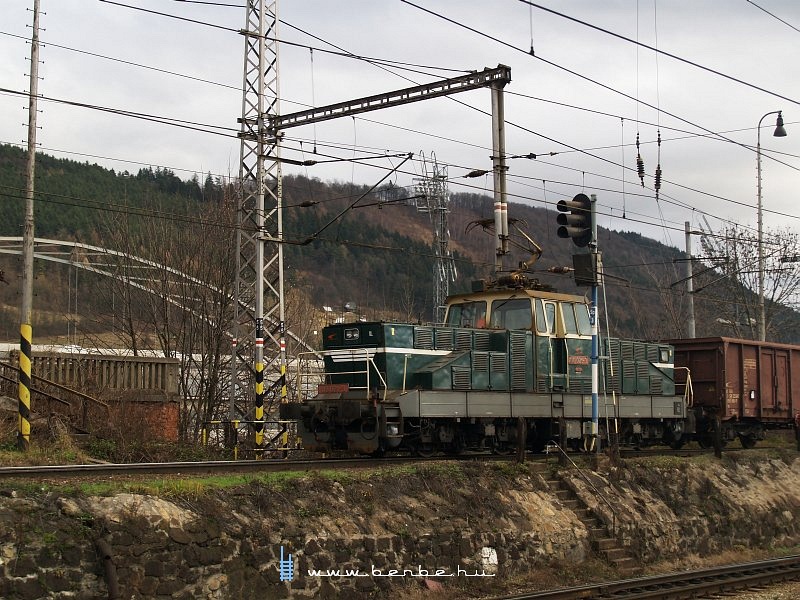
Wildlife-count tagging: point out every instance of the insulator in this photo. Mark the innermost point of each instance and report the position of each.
(640, 167)
(658, 177)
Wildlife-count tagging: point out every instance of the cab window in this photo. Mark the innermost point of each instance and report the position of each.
(541, 323)
(582, 315)
(570, 324)
(511, 314)
(550, 316)
(467, 314)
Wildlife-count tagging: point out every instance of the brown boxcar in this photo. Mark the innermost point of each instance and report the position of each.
(749, 385)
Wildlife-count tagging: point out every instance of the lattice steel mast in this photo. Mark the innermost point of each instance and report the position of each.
(259, 358)
(434, 196)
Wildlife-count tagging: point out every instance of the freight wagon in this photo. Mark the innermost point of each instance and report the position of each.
(747, 386)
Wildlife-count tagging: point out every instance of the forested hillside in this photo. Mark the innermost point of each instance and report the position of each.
(377, 254)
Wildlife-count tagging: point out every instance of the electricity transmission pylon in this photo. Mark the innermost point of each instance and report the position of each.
(432, 197)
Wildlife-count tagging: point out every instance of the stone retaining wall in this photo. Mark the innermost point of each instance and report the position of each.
(475, 520)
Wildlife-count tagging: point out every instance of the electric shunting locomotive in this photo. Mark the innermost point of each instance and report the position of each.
(510, 366)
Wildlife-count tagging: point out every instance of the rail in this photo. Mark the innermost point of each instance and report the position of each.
(600, 495)
(701, 583)
(343, 352)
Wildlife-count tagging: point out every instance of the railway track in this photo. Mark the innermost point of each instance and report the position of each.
(288, 464)
(702, 583)
(223, 466)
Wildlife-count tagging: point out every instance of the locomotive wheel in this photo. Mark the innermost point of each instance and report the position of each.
(369, 428)
(676, 444)
(457, 446)
(424, 450)
(502, 448)
(380, 452)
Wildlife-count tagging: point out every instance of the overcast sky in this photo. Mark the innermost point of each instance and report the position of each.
(551, 107)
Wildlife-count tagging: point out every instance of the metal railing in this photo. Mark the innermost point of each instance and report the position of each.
(600, 495)
(688, 390)
(354, 357)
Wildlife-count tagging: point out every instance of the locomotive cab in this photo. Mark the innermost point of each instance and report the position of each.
(558, 322)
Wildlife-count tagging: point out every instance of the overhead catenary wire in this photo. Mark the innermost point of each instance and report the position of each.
(774, 16)
(575, 149)
(564, 183)
(398, 63)
(416, 68)
(565, 69)
(657, 51)
(349, 54)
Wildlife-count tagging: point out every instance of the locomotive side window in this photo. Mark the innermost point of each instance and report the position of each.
(541, 324)
(576, 318)
(511, 314)
(570, 324)
(582, 314)
(467, 314)
(550, 316)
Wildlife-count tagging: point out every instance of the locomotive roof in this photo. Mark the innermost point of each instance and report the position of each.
(516, 293)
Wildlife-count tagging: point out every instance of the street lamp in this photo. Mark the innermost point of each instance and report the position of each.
(779, 132)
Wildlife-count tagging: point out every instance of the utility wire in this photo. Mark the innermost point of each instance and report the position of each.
(184, 124)
(414, 68)
(774, 16)
(572, 149)
(130, 63)
(657, 51)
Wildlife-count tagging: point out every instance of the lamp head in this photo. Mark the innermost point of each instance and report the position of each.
(779, 130)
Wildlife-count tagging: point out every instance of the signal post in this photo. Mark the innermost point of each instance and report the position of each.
(577, 221)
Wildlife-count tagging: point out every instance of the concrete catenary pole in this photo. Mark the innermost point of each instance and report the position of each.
(690, 324)
(26, 310)
(595, 439)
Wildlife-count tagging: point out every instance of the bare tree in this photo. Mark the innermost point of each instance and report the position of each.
(175, 279)
(737, 281)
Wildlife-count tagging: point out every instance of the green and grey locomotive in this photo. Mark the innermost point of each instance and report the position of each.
(510, 366)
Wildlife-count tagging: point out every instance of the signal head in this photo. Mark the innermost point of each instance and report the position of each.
(578, 223)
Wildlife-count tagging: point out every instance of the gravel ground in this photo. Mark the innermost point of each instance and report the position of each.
(781, 591)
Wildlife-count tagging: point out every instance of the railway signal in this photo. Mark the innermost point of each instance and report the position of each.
(575, 220)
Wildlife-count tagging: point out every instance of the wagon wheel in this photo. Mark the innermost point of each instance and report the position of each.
(747, 441)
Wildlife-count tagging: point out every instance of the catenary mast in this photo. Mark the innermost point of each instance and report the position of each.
(259, 349)
(26, 309)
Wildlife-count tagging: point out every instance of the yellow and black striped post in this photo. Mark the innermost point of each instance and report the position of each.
(25, 360)
(26, 308)
(259, 412)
